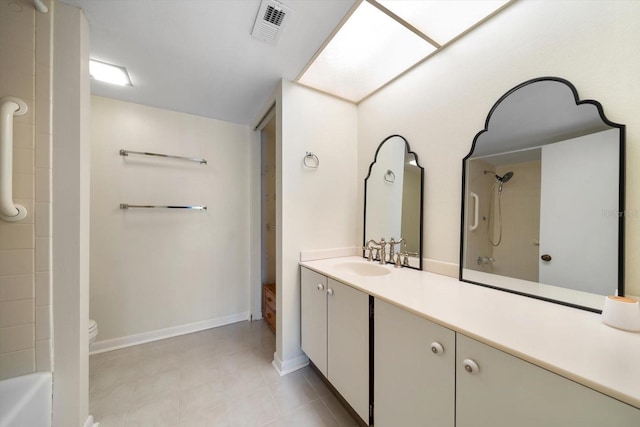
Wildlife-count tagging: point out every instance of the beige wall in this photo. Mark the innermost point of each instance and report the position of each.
(441, 105)
(25, 246)
(517, 254)
(317, 209)
(157, 269)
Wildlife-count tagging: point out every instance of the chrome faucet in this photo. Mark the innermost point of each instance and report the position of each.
(368, 247)
(392, 245)
(381, 249)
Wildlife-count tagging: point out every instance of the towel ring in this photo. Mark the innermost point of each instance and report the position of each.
(311, 160)
(390, 177)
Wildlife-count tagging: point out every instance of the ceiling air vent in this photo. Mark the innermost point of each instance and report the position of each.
(271, 20)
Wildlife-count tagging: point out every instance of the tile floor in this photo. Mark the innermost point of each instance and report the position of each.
(218, 377)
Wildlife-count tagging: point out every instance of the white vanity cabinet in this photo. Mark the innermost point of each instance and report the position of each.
(335, 336)
(313, 317)
(495, 389)
(414, 365)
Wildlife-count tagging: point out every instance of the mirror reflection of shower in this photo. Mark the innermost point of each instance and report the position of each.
(491, 224)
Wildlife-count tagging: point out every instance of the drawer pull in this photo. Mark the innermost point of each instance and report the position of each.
(269, 315)
(269, 299)
(471, 366)
(320, 287)
(436, 348)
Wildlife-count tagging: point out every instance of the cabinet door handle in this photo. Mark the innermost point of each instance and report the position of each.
(320, 287)
(437, 348)
(471, 366)
(330, 292)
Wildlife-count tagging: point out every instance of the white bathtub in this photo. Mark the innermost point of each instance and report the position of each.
(26, 401)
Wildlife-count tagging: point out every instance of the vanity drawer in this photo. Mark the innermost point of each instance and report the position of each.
(270, 317)
(270, 296)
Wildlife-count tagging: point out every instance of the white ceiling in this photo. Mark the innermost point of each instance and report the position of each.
(198, 56)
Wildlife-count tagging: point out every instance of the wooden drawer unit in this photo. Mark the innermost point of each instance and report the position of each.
(269, 305)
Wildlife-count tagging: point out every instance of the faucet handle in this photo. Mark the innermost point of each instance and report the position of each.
(406, 255)
(398, 261)
(369, 253)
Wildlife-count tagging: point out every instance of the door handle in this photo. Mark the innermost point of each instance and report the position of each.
(546, 257)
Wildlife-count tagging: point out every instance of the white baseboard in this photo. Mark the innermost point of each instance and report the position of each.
(328, 253)
(284, 367)
(159, 334)
(440, 267)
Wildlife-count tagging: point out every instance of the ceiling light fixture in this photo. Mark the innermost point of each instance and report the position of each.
(382, 39)
(109, 73)
(440, 20)
(369, 50)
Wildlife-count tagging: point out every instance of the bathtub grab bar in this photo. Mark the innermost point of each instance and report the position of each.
(9, 107)
(124, 152)
(476, 205)
(128, 206)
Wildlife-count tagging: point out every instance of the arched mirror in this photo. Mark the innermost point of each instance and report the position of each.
(393, 198)
(543, 198)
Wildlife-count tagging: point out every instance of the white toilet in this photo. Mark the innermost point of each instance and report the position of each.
(93, 331)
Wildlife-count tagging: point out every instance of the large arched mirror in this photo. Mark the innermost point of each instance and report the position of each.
(543, 198)
(393, 198)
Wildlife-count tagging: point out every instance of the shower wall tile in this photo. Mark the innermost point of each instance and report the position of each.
(43, 219)
(43, 185)
(17, 78)
(43, 39)
(25, 72)
(23, 185)
(43, 254)
(16, 261)
(22, 134)
(16, 313)
(16, 287)
(16, 338)
(43, 173)
(17, 21)
(43, 85)
(43, 322)
(43, 115)
(23, 160)
(43, 288)
(17, 363)
(43, 150)
(16, 236)
(44, 355)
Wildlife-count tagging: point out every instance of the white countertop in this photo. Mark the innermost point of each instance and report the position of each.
(570, 342)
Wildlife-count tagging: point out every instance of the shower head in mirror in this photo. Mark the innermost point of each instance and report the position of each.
(505, 178)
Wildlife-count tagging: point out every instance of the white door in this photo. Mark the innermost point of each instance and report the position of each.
(509, 392)
(348, 347)
(414, 386)
(313, 317)
(578, 206)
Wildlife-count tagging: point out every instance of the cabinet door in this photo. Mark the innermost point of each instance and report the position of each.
(507, 391)
(413, 385)
(313, 317)
(348, 349)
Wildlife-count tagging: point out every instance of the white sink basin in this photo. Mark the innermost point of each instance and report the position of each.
(363, 269)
